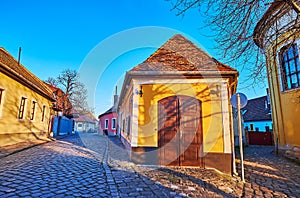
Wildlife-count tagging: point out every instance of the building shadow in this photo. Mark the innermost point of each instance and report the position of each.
(120, 154)
(269, 172)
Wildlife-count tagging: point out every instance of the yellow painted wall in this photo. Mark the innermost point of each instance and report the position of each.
(285, 104)
(13, 130)
(211, 113)
(124, 112)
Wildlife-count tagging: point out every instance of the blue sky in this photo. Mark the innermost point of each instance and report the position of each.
(56, 35)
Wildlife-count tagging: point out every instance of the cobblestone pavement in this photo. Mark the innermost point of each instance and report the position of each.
(64, 168)
(266, 175)
(270, 175)
(82, 166)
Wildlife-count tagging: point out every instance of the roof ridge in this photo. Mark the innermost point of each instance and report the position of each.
(181, 54)
(44, 89)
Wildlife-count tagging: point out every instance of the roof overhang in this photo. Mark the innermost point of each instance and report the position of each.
(233, 75)
(24, 82)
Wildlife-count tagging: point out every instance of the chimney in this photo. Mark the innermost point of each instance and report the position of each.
(116, 97)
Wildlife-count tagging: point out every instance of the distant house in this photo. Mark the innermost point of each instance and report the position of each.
(174, 108)
(62, 102)
(278, 35)
(257, 115)
(25, 103)
(108, 120)
(61, 122)
(85, 123)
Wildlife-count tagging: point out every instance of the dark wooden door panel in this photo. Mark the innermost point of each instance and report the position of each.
(168, 139)
(190, 131)
(180, 131)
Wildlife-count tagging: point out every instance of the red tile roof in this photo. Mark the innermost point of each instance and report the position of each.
(84, 118)
(10, 67)
(113, 109)
(62, 101)
(180, 54)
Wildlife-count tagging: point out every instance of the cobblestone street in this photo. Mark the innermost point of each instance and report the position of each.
(90, 165)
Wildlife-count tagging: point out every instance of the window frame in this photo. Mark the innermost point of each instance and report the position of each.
(286, 72)
(106, 123)
(128, 123)
(2, 92)
(113, 123)
(123, 125)
(43, 113)
(21, 112)
(1, 96)
(32, 110)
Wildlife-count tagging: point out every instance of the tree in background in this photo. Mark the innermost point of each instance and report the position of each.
(75, 91)
(52, 81)
(233, 23)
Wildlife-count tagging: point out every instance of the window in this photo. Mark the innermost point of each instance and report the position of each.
(123, 126)
(22, 108)
(33, 110)
(106, 124)
(1, 95)
(290, 67)
(113, 123)
(43, 113)
(128, 125)
(1, 99)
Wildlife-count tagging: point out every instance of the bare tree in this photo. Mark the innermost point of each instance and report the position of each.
(69, 82)
(233, 23)
(52, 81)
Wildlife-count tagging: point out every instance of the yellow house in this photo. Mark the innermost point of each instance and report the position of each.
(174, 108)
(25, 103)
(277, 33)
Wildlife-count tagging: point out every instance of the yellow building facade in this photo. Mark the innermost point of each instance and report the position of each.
(174, 108)
(25, 103)
(277, 34)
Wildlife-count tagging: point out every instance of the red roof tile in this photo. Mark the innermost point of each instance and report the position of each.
(180, 54)
(62, 101)
(84, 118)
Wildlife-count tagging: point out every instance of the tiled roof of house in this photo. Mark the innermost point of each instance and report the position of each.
(10, 67)
(180, 54)
(84, 118)
(257, 109)
(113, 109)
(62, 101)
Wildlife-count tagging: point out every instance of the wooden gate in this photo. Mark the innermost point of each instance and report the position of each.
(180, 131)
(260, 138)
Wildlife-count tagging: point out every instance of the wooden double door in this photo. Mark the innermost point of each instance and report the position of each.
(180, 131)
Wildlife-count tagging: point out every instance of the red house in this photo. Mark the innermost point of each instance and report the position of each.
(108, 120)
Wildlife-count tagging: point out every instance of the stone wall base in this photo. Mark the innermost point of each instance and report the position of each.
(149, 156)
(290, 152)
